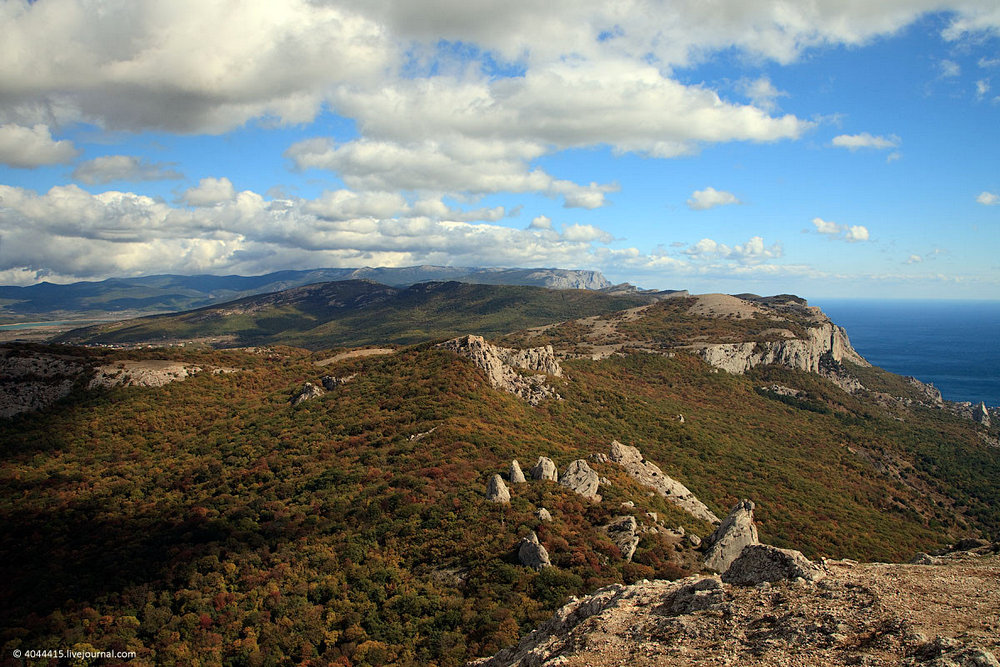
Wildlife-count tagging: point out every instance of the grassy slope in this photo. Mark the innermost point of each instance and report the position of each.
(210, 518)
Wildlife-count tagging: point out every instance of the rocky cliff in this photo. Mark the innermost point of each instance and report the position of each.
(824, 340)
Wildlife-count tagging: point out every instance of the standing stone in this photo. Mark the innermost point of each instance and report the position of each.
(497, 491)
(545, 469)
(579, 477)
(981, 414)
(516, 475)
(729, 539)
(532, 553)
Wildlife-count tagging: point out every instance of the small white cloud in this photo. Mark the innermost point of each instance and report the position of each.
(30, 147)
(982, 88)
(108, 168)
(856, 233)
(865, 140)
(541, 222)
(209, 192)
(849, 233)
(826, 227)
(914, 259)
(988, 198)
(949, 69)
(762, 93)
(893, 156)
(702, 200)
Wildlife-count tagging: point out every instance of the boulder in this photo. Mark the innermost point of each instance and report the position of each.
(622, 531)
(545, 469)
(580, 478)
(649, 475)
(758, 563)
(516, 475)
(308, 392)
(532, 553)
(497, 491)
(729, 539)
(543, 514)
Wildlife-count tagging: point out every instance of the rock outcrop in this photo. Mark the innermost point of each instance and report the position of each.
(545, 469)
(532, 553)
(648, 474)
(758, 563)
(499, 363)
(824, 340)
(622, 531)
(331, 382)
(543, 514)
(728, 541)
(516, 475)
(150, 373)
(497, 491)
(30, 382)
(580, 478)
(308, 392)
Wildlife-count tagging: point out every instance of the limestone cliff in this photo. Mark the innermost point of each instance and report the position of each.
(824, 340)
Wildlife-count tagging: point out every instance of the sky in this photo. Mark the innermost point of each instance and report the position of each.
(829, 148)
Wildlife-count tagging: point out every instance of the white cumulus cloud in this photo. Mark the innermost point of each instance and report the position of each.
(209, 192)
(702, 200)
(988, 198)
(29, 147)
(833, 230)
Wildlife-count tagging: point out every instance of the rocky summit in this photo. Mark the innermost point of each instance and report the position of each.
(857, 614)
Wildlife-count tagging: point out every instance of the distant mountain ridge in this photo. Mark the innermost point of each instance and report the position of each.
(160, 293)
(362, 312)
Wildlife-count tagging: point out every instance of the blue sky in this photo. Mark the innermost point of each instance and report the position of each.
(831, 150)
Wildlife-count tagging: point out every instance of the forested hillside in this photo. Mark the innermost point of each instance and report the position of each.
(211, 519)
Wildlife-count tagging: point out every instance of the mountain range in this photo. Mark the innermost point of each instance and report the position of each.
(169, 293)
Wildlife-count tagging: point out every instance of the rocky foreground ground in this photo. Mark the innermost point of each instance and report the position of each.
(943, 613)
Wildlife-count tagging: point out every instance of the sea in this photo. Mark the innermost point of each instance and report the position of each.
(954, 345)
